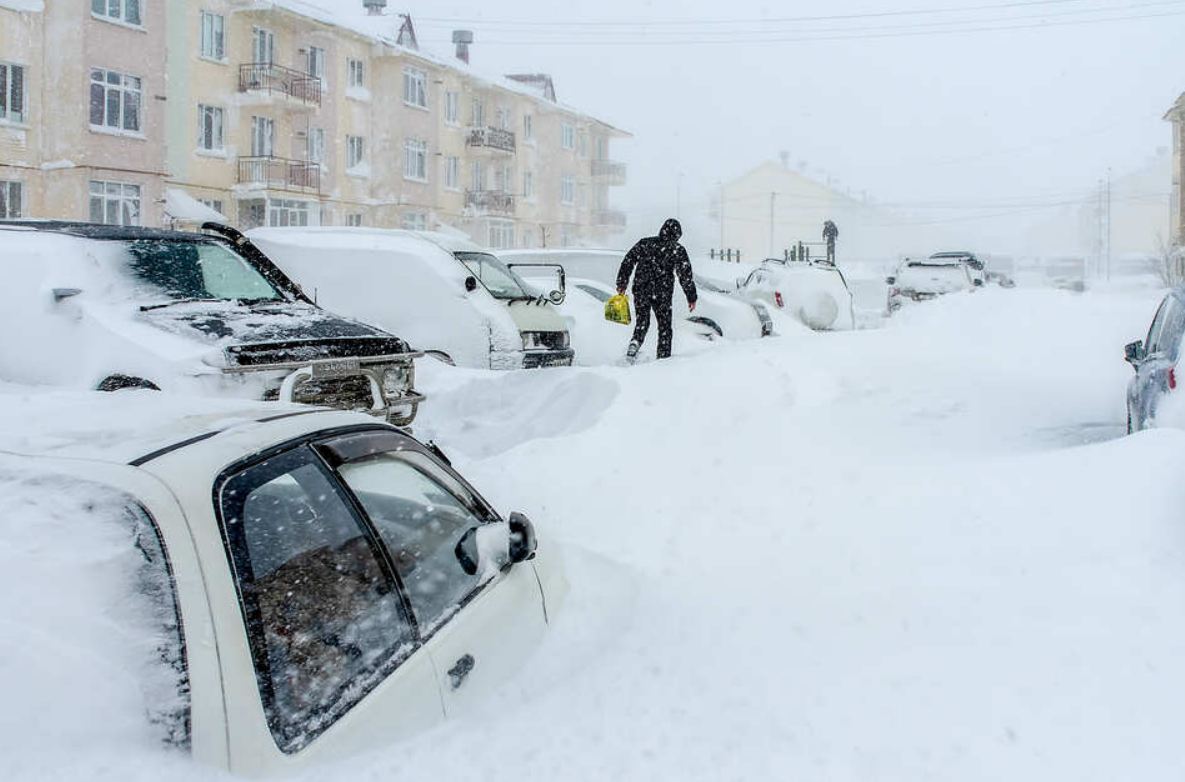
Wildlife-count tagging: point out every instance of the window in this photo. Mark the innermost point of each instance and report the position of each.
(126, 11)
(283, 212)
(452, 105)
(479, 113)
(415, 87)
(567, 189)
(582, 145)
(263, 46)
(209, 128)
(12, 92)
(414, 221)
(355, 73)
(213, 36)
(503, 117)
(11, 199)
(415, 160)
(316, 62)
(477, 176)
(213, 203)
(263, 136)
(114, 203)
(182, 269)
(528, 127)
(501, 234)
(528, 184)
(354, 220)
(567, 136)
(115, 101)
(452, 173)
(325, 616)
(355, 151)
(316, 145)
(504, 179)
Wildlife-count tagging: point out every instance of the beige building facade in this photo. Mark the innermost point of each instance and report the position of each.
(275, 113)
(1176, 115)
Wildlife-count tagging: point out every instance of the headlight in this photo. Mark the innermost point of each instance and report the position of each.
(396, 381)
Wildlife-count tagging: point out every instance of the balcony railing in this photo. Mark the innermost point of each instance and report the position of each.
(609, 218)
(276, 79)
(490, 201)
(491, 138)
(610, 170)
(280, 173)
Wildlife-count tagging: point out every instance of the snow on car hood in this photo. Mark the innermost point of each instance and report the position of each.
(934, 278)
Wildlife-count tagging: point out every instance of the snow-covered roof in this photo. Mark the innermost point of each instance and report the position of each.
(182, 206)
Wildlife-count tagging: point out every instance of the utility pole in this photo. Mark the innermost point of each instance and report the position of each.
(772, 199)
(721, 183)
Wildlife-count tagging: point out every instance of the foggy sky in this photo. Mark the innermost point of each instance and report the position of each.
(960, 119)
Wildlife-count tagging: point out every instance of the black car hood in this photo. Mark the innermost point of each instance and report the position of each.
(273, 332)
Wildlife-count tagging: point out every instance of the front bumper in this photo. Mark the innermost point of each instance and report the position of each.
(535, 359)
(355, 383)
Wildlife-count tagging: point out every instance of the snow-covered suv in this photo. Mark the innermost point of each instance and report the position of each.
(110, 307)
(263, 586)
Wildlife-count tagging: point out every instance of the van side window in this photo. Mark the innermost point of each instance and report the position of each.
(325, 619)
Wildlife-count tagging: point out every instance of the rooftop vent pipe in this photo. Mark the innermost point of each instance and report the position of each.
(463, 38)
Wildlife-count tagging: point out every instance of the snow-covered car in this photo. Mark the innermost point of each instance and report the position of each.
(110, 307)
(463, 304)
(1155, 360)
(716, 311)
(928, 279)
(601, 293)
(815, 293)
(306, 583)
(975, 267)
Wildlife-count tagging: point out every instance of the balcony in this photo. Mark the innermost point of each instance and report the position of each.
(491, 138)
(280, 173)
(609, 218)
(272, 79)
(609, 172)
(490, 201)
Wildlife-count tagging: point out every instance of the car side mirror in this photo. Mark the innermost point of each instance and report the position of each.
(523, 540)
(556, 297)
(61, 294)
(470, 284)
(1134, 352)
(891, 280)
(484, 548)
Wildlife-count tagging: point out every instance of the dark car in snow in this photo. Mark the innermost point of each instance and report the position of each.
(1155, 360)
(112, 307)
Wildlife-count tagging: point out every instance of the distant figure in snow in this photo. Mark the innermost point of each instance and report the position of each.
(830, 234)
(654, 262)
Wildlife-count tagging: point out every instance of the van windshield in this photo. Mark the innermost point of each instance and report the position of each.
(500, 281)
(187, 270)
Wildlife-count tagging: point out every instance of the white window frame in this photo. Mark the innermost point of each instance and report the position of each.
(263, 137)
(355, 151)
(12, 191)
(452, 173)
(477, 176)
(315, 62)
(211, 136)
(567, 136)
(213, 36)
(415, 88)
(478, 107)
(315, 146)
(414, 221)
(355, 73)
(500, 234)
(529, 185)
(354, 220)
(568, 190)
(281, 211)
(214, 203)
(125, 12)
(415, 160)
(263, 46)
(129, 91)
(9, 95)
(529, 127)
(124, 198)
(452, 108)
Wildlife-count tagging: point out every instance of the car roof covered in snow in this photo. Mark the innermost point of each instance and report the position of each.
(131, 426)
(100, 232)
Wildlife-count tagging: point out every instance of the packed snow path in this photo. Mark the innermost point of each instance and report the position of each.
(919, 552)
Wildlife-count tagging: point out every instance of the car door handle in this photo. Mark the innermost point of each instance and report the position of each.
(460, 670)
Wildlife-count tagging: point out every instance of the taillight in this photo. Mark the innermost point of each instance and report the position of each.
(1172, 379)
(778, 299)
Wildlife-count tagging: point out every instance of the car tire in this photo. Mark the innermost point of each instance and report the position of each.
(119, 382)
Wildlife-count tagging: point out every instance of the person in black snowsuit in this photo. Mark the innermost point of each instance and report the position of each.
(654, 262)
(830, 234)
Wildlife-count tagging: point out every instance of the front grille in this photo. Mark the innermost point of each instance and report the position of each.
(303, 350)
(553, 358)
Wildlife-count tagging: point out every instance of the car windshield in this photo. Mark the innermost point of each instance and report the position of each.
(186, 270)
(500, 281)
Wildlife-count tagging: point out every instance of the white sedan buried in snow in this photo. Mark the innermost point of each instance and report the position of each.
(817, 294)
(322, 582)
(929, 279)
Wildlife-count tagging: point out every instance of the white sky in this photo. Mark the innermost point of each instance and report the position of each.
(970, 117)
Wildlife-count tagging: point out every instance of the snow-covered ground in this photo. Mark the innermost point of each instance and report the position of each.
(918, 552)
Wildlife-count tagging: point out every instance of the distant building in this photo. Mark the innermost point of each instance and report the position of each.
(1176, 115)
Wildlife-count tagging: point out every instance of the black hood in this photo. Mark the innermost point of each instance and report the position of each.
(671, 231)
(281, 331)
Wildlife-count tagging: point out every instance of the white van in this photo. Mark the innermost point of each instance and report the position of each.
(448, 296)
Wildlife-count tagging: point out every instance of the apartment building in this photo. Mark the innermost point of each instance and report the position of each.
(1176, 115)
(82, 95)
(281, 113)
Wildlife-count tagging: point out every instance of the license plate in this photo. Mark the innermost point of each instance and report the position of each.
(336, 368)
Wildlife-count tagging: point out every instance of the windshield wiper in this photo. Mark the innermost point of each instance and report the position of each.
(162, 305)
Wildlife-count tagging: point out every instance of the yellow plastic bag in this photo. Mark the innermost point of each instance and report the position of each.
(617, 309)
